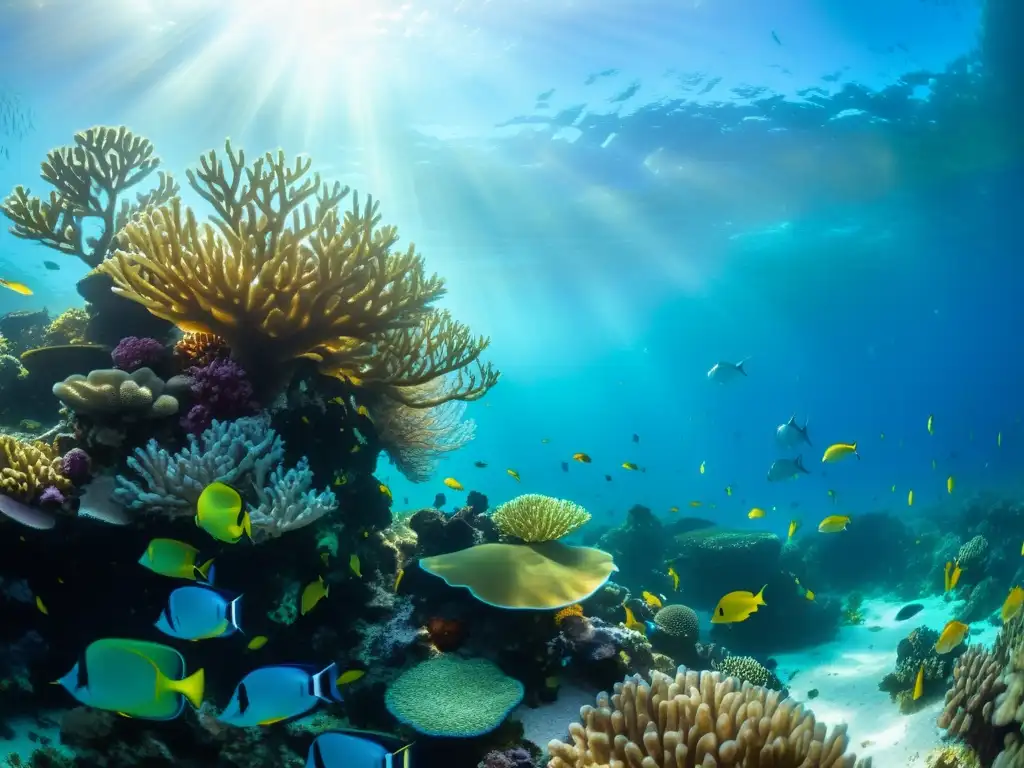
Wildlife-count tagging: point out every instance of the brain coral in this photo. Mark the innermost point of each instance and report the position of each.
(973, 553)
(451, 696)
(678, 621)
(746, 669)
(698, 719)
(533, 517)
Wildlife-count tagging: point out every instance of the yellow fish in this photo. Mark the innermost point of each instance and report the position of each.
(832, 495)
(513, 474)
(353, 564)
(42, 606)
(703, 464)
(21, 288)
(624, 658)
(221, 513)
(755, 513)
(582, 458)
(949, 484)
(931, 424)
(696, 504)
(793, 526)
(675, 578)
(629, 465)
(919, 683)
(386, 491)
(952, 635)
(809, 594)
(257, 642)
(652, 600)
(728, 490)
(951, 575)
(1012, 604)
(364, 412)
(893, 489)
(838, 451)
(737, 606)
(999, 440)
(336, 401)
(834, 524)
(632, 623)
(398, 577)
(452, 483)
(304, 419)
(340, 480)
(933, 465)
(350, 676)
(313, 593)
(673, 509)
(910, 498)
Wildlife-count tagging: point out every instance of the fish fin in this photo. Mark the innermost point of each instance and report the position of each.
(855, 451)
(759, 597)
(272, 720)
(247, 525)
(324, 684)
(191, 687)
(206, 571)
(318, 756)
(234, 614)
(739, 366)
(799, 461)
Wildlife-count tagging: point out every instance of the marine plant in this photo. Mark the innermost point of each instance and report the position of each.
(281, 273)
(88, 180)
(533, 517)
(699, 719)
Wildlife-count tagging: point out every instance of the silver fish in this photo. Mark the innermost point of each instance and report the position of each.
(786, 469)
(724, 372)
(792, 434)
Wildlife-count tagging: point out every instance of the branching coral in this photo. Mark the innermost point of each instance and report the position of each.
(289, 502)
(415, 438)
(27, 469)
(282, 274)
(533, 517)
(88, 180)
(698, 719)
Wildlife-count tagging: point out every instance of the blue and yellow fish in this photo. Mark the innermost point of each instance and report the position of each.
(200, 612)
(271, 694)
(170, 557)
(357, 749)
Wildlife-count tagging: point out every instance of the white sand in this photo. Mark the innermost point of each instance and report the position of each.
(847, 671)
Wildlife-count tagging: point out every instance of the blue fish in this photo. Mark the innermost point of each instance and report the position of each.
(198, 612)
(272, 694)
(356, 749)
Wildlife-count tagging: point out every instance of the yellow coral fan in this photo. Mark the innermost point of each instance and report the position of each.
(528, 576)
(533, 517)
(67, 328)
(570, 610)
(26, 469)
(282, 274)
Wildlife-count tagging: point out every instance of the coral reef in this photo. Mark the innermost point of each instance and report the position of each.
(747, 669)
(132, 353)
(702, 719)
(28, 469)
(114, 392)
(536, 518)
(220, 390)
(915, 650)
(69, 327)
(972, 554)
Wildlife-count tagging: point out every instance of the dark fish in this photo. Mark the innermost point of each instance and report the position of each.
(51, 265)
(812, 694)
(636, 438)
(608, 478)
(405, 499)
(908, 611)
(565, 466)
(480, 464)
(775, 37)
(440, 501)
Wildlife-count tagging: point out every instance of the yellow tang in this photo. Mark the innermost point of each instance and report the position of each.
(673, 509)
(42, 606)
(221, 513)
(353, 564)
(1012, 604)
(793, 526)
(313, 593)
(629, 465)
(951, 574)
(834, 524)
(632, 623)
(703, 464)
(452, 483)
(386, 491)
(755, 513)
(675, 578)
(170, 557)
(21, 288)
(838, 451)
(652, 600)
(349, 676)
(737, 606)
(513, 474)
(919, 682)
(949, 484)
(398, 577)
(910, 498)
(931, 424)
(582, 458)
(953, 634)
(257, 642)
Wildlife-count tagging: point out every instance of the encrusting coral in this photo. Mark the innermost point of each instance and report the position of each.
(533, 517)
(27, 469)
(88, 179)
(281, 274)
(116, 392)
(698, 720)
(746, 669)
(69, 327)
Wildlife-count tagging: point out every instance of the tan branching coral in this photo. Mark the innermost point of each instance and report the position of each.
(26, 469)
(698, 720)
(88, 180)
(533, 517)
(415, 438)
(69, 327)
(116, 392)
(282, 273)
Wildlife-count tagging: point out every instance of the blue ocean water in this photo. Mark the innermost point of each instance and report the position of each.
(621, 197)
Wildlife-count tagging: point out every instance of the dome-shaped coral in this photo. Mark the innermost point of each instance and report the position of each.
(746, 669)
(973, 553)
(533, 517)
(678, 621)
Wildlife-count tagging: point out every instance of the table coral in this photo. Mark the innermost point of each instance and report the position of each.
(88, 180)
(533, 517)
(27, 469)
(282, 273)
(699, 719)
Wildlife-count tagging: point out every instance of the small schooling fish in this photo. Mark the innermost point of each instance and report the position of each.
(582, 458)
(21, 288)
(724, 372)
(452, 483)
(737, 606)
(51, 265)
(480, 464)
(786, 469)
(312, 594)
(833, 524)
(792, 434)
(838, 451)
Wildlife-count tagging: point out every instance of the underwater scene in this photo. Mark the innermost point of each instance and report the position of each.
(533, 384)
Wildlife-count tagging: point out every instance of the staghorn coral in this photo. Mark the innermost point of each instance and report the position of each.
(415, 438)
(678, 621)
(281, 274)
(88, 180)
(69, 327)
(288, 502)
(533, 517)
(698, 719)
(27, 469)
(116, 392)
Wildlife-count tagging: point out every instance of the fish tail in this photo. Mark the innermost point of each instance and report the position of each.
(325, 684)
(206, 571)
(191, 687)
(651, 627)
(855, 451)
(739, 366)
(759, 597)
(799, 461)
(234, 614)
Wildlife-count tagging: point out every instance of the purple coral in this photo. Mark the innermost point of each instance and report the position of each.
(51, 496)
(220, 390)
(75, 466)
(134, 352)
(516, 757)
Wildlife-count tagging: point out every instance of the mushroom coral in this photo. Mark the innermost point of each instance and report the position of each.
(280, 273)
(543, 576)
